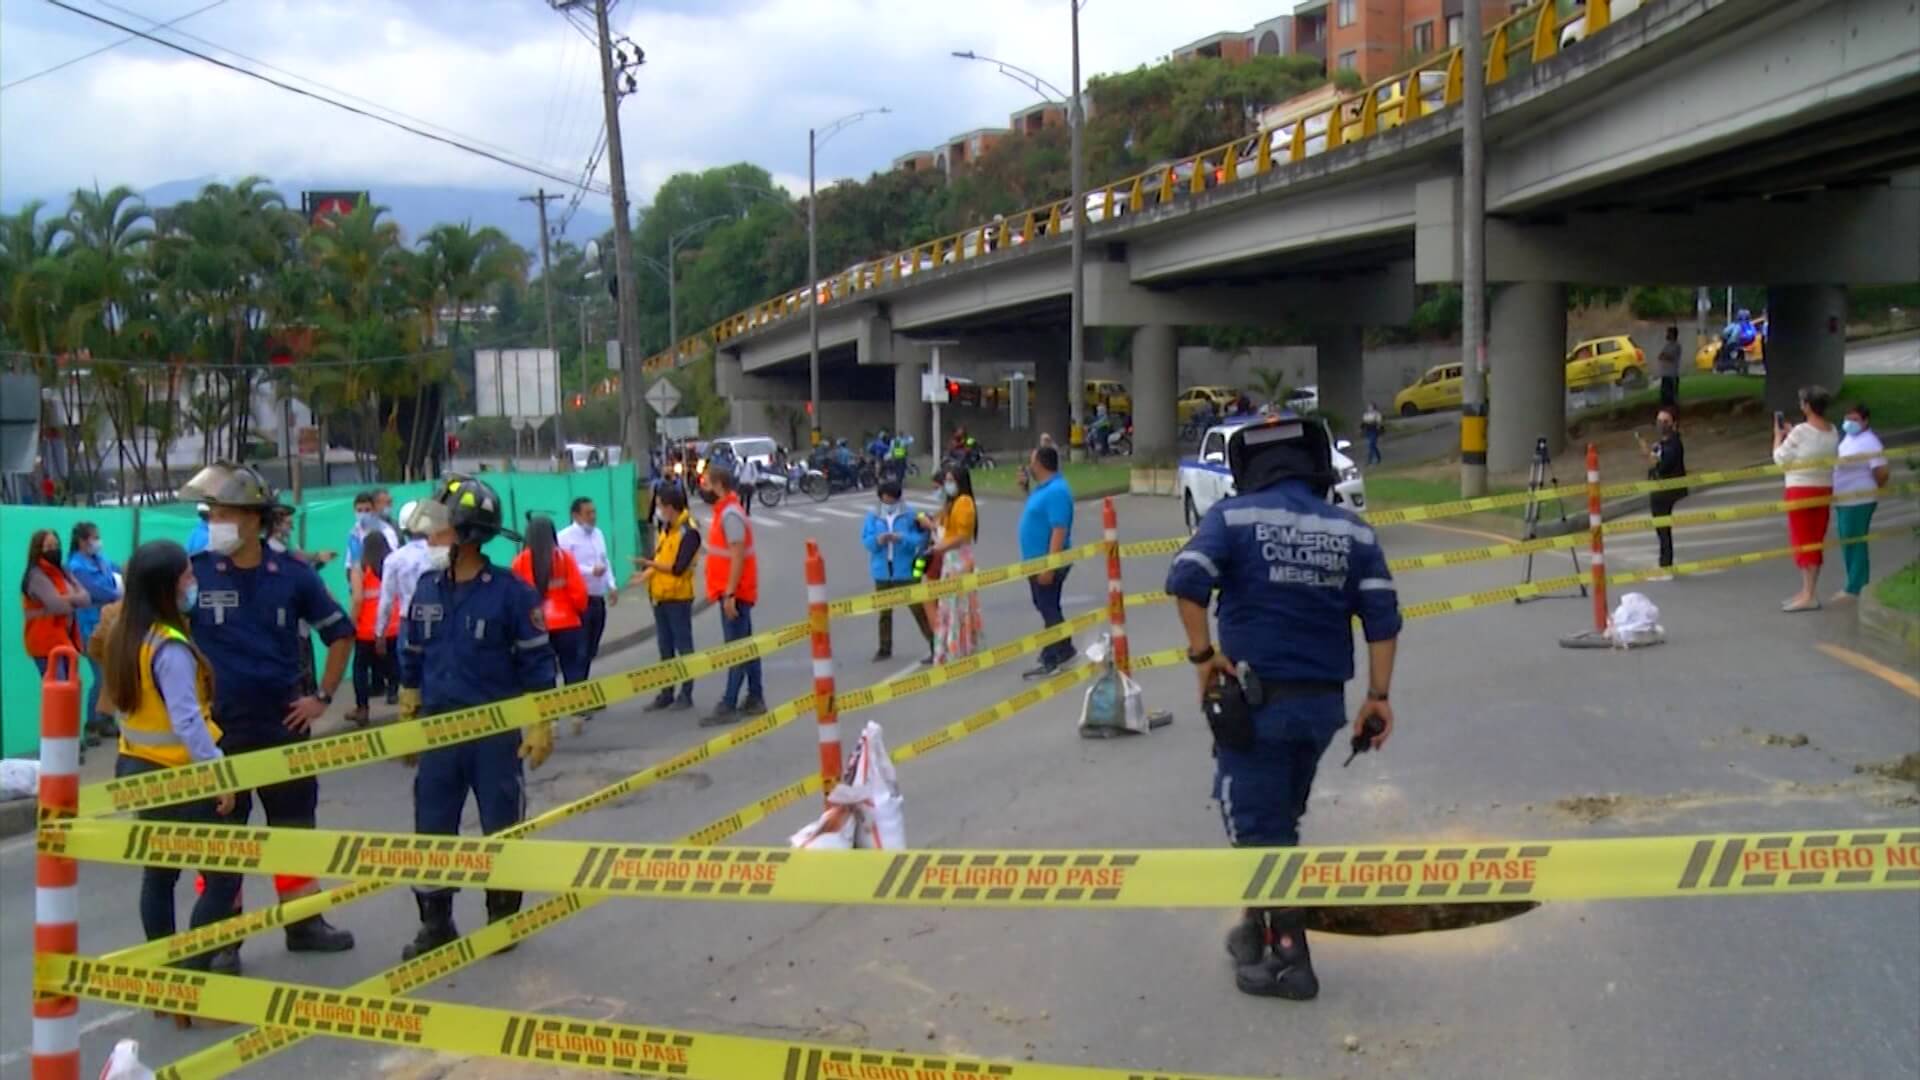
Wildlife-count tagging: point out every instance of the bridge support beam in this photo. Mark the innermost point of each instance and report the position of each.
(1337, 371)
(909, 415)
(1806, 344)
(1048, 403)
(1527, 387)
(1156, 382)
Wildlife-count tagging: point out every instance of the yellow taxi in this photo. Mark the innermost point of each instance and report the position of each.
(1191, 398)
(1606, 361)
(1440, 388)
(1112, 394)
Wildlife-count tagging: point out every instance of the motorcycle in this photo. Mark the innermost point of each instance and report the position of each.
(970, 458)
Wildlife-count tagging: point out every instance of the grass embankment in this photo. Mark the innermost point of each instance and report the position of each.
(1894, 399)
(1088, 480)
(1901, 592)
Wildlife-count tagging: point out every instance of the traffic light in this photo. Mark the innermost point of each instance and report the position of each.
(953, 390)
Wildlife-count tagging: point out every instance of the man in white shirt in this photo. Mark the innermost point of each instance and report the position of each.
(1856, 492)
(588, 545)
(398, 576)
(748, 475)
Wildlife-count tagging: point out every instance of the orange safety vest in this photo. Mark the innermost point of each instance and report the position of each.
(365, 619)
(566, 599)
(45, 632)
(720, 558)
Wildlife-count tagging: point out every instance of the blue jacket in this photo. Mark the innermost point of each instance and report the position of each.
(474, 643)
(95, 574)
(1292, 572)
(248, 624)
(892, 562)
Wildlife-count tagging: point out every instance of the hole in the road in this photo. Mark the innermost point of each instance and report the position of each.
(1393, 920)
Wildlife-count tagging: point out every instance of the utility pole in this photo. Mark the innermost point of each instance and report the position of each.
(1473, 266)
(813, 303)
(616, 80)
(539, 199)
(1077, 348)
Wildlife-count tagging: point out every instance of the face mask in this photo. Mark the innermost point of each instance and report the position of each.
(223, 537)
(191, 598)
(1851, 427)
(368, 519)
(952, 489)
(439, 558)
(278, 545)
(93, 546)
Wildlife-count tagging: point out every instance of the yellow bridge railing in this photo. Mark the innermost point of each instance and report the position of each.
(1530, 35)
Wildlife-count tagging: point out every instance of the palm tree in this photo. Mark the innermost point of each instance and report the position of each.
(103, 240)
(359, 258)
(1272, 384)
(466, 265)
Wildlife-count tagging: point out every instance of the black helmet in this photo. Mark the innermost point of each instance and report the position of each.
(468, 506)
(225, 484)
(1282, 447)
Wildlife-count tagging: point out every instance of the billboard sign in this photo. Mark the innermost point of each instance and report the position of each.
(516, 383)
(319, 206)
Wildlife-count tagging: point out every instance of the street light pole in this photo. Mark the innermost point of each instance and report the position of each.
(673, 254)
(814, 139)
(1473, 269)
(1076, 353)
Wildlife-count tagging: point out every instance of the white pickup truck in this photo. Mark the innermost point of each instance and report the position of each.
(1205, 478)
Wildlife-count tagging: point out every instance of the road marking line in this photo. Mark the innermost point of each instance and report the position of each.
(838, 512)
(1465, 531)
(1898, 679)
(88, 1028)
(766, 517)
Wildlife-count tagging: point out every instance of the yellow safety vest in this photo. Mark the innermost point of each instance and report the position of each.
(664, 585)
(147, 732)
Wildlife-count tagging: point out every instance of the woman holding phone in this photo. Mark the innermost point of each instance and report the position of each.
(1806, 450)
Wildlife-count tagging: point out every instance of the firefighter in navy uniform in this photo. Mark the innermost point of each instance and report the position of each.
(1292, 572)
(474, 635)
(248, 621)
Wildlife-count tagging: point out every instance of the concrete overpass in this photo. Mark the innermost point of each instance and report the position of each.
(1765, 142)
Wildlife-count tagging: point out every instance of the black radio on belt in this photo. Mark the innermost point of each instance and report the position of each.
(1229, 705)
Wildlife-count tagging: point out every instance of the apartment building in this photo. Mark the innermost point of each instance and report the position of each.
(1272, 37)
(1377, 38)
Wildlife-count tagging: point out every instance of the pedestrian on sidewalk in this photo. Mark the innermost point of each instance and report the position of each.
(1371, 424)
(373, 671)
(1046, 527)
(88, 565)
(668, 577)
(1667, 460)
(1806, 450)
(162, 687)
(252, 602)
(473, 638)
(555, 577)
(956, 618)
(893, 539)
(733, 582)
(1856, 493)
(50, 600)
(583, 540)
(1667, 367)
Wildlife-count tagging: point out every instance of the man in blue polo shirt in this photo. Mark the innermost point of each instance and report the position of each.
(1046, 526)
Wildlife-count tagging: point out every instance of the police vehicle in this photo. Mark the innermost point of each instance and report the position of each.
(1205, 478)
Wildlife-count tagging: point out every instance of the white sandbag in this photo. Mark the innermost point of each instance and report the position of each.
(831, 831)
(1113, 703)
(871, 789)
(125, 1063)
(19, 778)
(1635, 621)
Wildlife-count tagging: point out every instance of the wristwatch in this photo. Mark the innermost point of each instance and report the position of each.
(325, 697)
(1200, 657)
(1375, 696)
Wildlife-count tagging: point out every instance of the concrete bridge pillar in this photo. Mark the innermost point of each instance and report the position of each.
(1338, 374)
(1156, 383)
(1527, 380)
(1806, 344)
(1048, 403)
(909, 415)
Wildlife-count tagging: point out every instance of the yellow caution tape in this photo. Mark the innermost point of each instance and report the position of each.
(258, 768)
(1608, 491)
(979, 579)
(1728, 562)
(1742, 512)
(534, 1038)
(240, 1050)
(1611, 869)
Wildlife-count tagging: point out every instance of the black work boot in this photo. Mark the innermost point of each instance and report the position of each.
(436, 924)
(1287, 972)
(224, 960)
(1247, 941)
(316, 934)
(502, 904)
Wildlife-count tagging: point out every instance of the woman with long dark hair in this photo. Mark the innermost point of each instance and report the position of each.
(161, 686)
(49, 600)
(554, 575)
(956, 624)
(91, 569)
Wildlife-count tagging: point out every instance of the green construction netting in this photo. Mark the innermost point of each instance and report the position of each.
(321, 523)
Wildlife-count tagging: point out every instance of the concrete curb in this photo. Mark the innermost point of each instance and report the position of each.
(1898, 632)
(18, 816)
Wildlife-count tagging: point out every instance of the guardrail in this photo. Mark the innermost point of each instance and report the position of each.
(1529, 36)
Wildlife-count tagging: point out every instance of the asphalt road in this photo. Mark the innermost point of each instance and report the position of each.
(1502, 736)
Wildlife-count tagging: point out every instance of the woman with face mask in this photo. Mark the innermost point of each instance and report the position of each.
(50, 600)
(162, 686)
(1666, 460)
(956, 621)
(88, 565)
(1857, 481)
(668, 577)
(556, 578)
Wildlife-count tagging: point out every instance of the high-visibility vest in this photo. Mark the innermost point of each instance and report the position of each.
(147, 732)
(366, 620)
(664, 585)
(42, 630)
(720, 559)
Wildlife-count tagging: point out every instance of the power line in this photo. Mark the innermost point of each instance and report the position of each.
(110, 46)
(536, 170)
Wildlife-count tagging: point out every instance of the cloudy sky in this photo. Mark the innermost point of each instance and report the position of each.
(725, 80)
